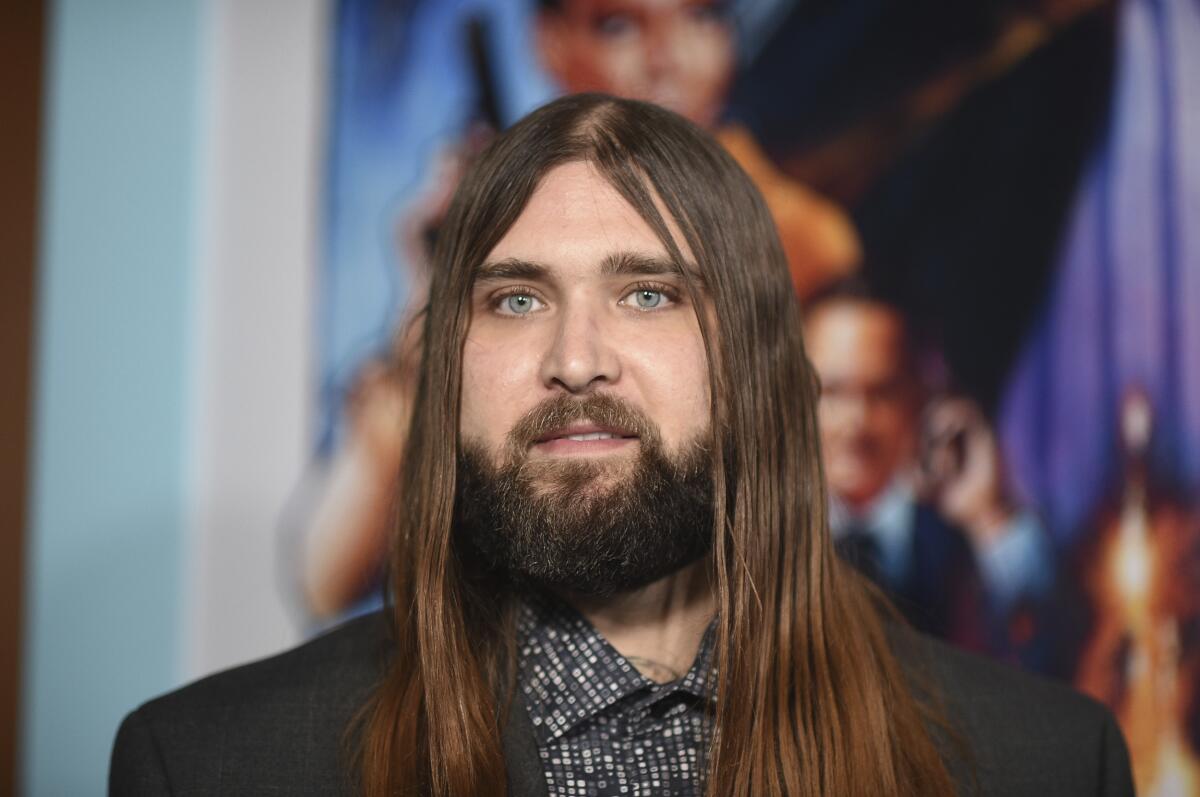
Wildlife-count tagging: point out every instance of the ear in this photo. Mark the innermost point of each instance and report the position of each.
(550, 33)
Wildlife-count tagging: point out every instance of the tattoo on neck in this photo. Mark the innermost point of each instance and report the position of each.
(654, 670)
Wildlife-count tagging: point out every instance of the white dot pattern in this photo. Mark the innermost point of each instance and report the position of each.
(603, 728)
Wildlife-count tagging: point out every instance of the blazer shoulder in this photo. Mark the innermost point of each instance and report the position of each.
(329, 667)
(279, 723)
(1024, 734)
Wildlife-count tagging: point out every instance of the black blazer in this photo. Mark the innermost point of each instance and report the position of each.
(278, 726)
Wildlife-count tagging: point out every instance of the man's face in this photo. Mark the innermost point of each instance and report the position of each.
(585, 396)
(674, 53)
(868, 407)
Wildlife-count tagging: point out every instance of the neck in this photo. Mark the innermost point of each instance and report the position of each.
(659, 627)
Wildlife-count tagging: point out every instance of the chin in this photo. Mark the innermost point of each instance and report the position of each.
(599, 480)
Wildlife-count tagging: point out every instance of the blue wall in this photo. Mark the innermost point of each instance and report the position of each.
(108, 506)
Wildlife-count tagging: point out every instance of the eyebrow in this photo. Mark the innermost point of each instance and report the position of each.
(636, 263)
(510, 268)
(615, 264)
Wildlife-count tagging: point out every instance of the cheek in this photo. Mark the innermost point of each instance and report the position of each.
(494, 378)
(618, 69)
(672, 376)
(711, 64)
(826, 420)
(837, 421)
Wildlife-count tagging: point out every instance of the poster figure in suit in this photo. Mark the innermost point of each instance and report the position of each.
(919, 501)
(680, 54)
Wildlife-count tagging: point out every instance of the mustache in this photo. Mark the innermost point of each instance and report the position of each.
(562, 410)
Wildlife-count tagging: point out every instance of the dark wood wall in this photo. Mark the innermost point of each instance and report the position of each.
(22, 41)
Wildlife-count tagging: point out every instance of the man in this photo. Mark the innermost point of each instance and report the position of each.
(920, 504)
(679, 54)
(612, 572)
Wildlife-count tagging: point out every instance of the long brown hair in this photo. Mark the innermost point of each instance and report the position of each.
(811, 699)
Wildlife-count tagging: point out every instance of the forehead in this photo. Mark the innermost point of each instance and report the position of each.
(852, 336)
(575, 217)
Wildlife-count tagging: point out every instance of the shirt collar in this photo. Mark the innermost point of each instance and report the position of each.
(888, 519)
(569, 672)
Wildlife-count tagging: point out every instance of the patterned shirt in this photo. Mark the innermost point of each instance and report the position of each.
(603, 728)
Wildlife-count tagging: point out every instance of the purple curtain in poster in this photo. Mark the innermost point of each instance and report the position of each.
(1123, 315)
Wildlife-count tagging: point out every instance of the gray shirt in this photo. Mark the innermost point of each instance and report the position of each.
(602, 728)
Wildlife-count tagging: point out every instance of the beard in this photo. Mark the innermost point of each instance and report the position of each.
(585, 526)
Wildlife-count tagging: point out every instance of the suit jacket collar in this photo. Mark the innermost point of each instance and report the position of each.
(525, 775)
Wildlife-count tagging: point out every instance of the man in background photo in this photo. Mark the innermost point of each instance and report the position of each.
(919, 499)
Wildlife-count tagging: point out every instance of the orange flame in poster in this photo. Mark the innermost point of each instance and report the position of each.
(1134, 660)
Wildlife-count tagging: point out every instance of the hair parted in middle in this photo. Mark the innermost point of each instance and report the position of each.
(811, 699)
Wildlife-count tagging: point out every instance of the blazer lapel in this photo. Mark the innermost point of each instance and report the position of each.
(525, 776)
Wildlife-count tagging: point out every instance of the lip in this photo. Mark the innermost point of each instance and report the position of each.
(558, 441)
(581, 429)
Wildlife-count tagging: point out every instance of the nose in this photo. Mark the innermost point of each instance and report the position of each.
(581, 357)
(661, 53)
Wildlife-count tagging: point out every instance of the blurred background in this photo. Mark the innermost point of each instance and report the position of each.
(217, 220)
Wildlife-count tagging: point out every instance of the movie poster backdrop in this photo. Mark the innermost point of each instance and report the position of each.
(991, 213)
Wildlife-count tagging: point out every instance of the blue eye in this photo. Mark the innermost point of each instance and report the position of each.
(650, 297)
(647, 299)
(518, 303)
